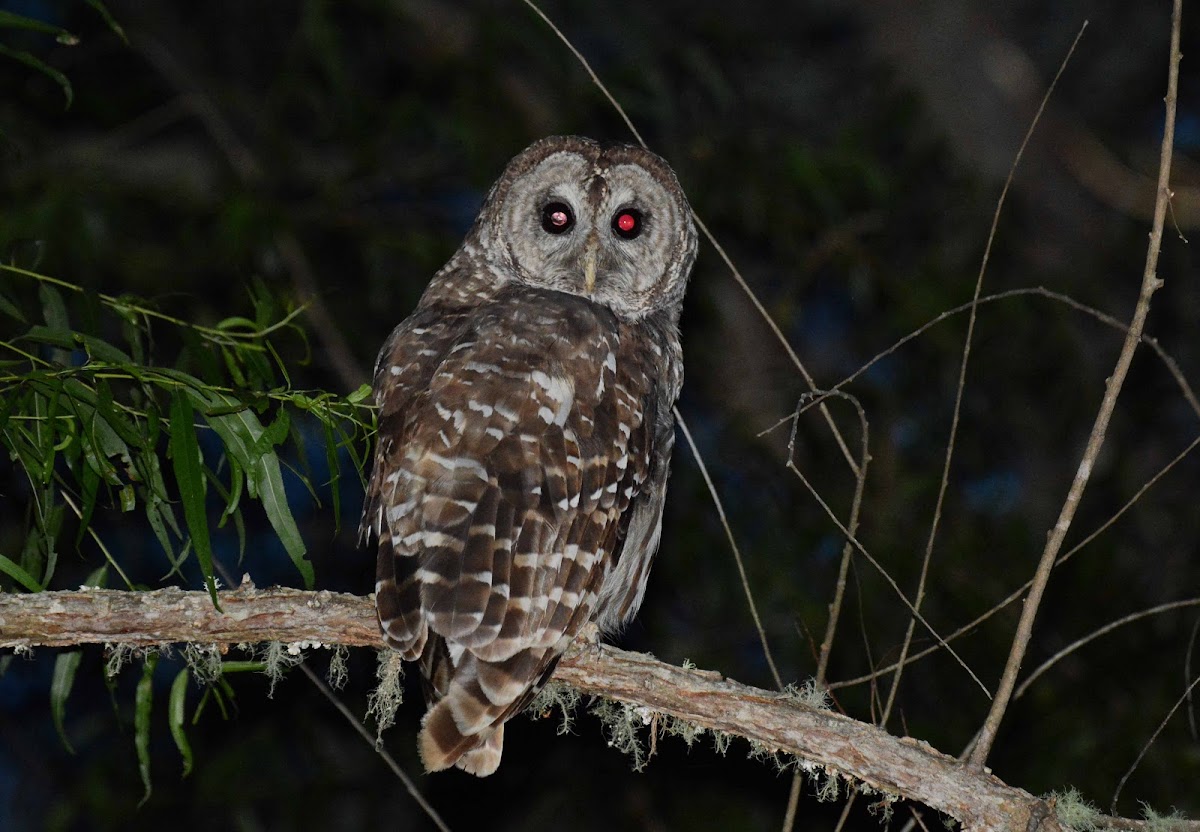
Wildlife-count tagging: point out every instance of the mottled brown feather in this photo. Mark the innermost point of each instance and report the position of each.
(519, 476)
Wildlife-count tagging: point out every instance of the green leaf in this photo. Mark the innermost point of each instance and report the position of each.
(269, 484)
(143, 704)
(237, 323)
(97, 577)
(89, 494)
(241, 432)
(242, 667)
(55, 336)
(335, 475)
(175, 712)
(103, 435)
(65, 665)
(54, 308)
(109, 19)
(273, 435)
(9, 20)
(49, 71)
(154, 515)
(186, 456)
(116, 419)
(100, 350)
(11, 309)
(237, 480)
(231, 364)
(360, 395)
(19, 575)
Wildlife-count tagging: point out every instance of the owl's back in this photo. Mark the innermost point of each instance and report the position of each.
(520, 442)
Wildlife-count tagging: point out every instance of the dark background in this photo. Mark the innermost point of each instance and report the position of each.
(849, 156)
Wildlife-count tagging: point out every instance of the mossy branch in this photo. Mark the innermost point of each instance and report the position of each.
(776, 721)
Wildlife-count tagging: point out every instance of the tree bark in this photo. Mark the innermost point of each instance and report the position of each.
(820, 739)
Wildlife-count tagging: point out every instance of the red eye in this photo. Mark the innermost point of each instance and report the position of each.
(557, 218)
(627, 223)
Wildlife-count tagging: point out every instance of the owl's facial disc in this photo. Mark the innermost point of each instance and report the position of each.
(608, 225)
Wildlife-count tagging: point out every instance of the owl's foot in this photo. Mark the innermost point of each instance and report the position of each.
(586, 640)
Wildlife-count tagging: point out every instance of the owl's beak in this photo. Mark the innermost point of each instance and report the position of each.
(590, 252)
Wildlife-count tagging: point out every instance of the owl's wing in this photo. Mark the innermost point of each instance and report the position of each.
(406, 363)
(512, 482)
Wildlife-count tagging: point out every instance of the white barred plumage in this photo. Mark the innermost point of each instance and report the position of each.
(525, 434)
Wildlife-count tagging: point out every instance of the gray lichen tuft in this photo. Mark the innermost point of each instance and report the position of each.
(810, 694)
(1074, 811)
(337, 674)
(277, 659)
(622, 723)
(556, 695)
(1157, 822)
(388, 694)
(204, 662)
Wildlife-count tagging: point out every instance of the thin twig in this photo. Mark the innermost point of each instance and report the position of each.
(789, 816)
(95, 537)
(888, 578)
(1040, 291)
(845, 815)
(839, 592)
(1150, 284)
(737, 554)
(944, 483)
(1154, 736)
(409, 785)
(1017, 593)
(835, 607)
(1107, 628)
(588, 68)
(1187, 674)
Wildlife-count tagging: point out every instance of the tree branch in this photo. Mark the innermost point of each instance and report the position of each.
(1054, 540)
(841, 746)
(820, 739)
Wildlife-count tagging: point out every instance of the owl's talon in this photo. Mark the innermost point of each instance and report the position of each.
(587, 640)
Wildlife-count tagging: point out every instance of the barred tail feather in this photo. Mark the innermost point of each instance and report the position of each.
(442, 744)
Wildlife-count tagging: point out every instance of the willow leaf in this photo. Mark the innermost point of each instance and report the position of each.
(143, 704)
(269, 483)
(185, 454)
(65, 665)
(175, 715)
(14, 571)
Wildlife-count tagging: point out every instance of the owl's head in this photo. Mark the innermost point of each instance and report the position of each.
(607, 222)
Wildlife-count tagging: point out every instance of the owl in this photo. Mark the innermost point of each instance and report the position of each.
(525, 434)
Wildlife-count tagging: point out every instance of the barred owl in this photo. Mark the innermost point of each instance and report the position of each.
(525, 434)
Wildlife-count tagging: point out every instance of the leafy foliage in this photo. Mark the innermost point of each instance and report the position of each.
(10, 21)
(88, 421)
(89, 414)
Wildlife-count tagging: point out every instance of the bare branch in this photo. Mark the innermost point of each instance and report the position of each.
(1150, 284)
(1019, 591)
(944, 483)
(838, 744)
(102, 616)
(1092, 636)
(737, 553)
(820, 739)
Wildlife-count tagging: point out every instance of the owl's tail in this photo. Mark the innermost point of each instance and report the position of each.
(443, 745)
(470, 700)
